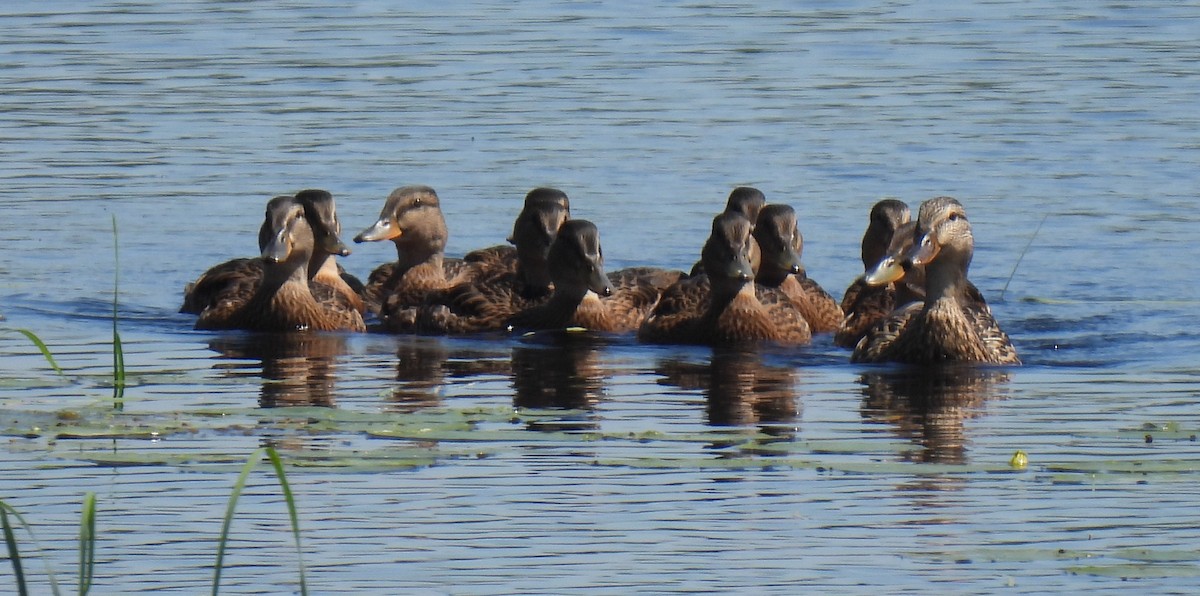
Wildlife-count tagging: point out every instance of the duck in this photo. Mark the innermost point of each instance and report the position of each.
(949, 325)
(328, 280)
(583, 294)
(237, 279)
(748, 201)
(780, 246)
(544, 210)
(723, 305)
(282, 301)
(889, 232)
(412, 219)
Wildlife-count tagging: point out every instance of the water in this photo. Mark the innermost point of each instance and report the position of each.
(491, 465)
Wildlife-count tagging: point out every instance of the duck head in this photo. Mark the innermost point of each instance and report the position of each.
(726, 253)
(321, 212)
(887, 217)
(779, 243)
(411, 218)
(289, 239)
(576, 260)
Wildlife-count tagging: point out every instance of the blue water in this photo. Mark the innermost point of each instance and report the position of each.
(1067, 128)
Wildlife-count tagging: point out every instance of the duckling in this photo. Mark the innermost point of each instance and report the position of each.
(747, 201)
(412, 219)
(282, 301)
(583, 295)
(724, 306)
(949, 325)
(237, 279)
(865, 304)
(780, 245)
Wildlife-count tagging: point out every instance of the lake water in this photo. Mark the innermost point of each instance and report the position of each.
(499, 466)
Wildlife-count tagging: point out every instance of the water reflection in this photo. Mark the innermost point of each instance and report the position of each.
(297, 369)
(739, 388)
(420, 372)
(930, 406)
(565, 374)
(430, 368)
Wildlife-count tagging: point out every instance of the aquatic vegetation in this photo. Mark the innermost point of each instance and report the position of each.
(118, 351)
(277, 464)
(87, 546)
(41, 346)
(87, 531)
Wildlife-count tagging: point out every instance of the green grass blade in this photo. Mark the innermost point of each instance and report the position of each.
(229, 509)
(14, 554)
(118, 351)
(87, 543)
(37, 341)
(291, 505)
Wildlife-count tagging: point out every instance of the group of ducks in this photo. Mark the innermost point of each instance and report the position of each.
(913, 303)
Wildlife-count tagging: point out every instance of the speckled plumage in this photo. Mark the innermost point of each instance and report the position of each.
(412, 219)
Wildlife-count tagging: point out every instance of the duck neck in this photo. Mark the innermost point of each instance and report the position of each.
(534, 272)
(427, 260)
(723, 293)
(945, 280)
(320, 263)
(292, 271)
(771, 276)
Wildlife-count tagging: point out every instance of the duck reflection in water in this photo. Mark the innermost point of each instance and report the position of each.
(929, 406)
(297, 369)
(428, 367)
(420, 372)
(740, 389)
(563, 374)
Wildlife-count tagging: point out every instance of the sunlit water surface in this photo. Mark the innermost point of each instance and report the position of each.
(500, 465)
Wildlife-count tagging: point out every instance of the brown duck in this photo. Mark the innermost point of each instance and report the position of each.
(545, 209)
(412, 219)
(950, 325)
(506, 286)
(780, 246)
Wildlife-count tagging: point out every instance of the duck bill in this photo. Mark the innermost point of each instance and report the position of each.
(383, 229)
(924, 252)
(278, 248)
(791, 260)
(885, 272)
(598, 282)
(740, 269)
(333, 245)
